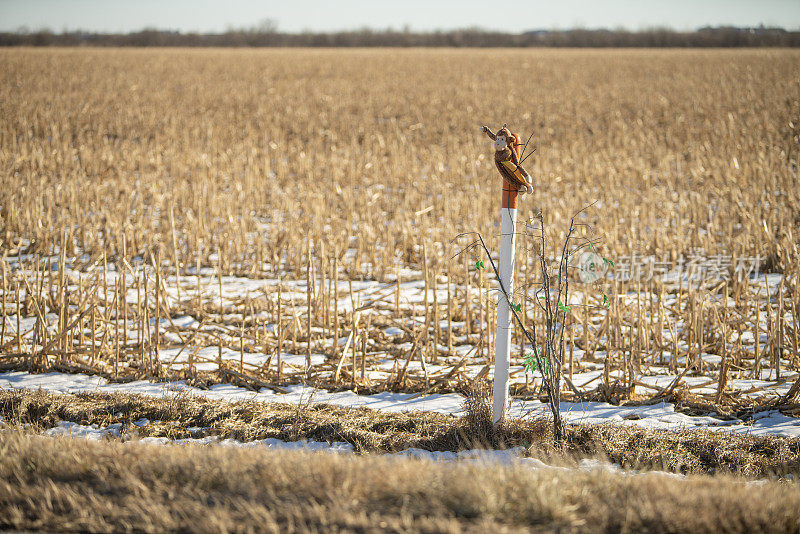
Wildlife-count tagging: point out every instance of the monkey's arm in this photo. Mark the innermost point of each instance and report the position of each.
(489, 133)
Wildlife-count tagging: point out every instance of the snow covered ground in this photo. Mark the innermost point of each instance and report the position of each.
(656, 416)
(189, 341)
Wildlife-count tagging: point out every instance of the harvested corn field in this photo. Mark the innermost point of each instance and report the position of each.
(274, 217)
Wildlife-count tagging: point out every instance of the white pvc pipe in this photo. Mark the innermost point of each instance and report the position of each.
(502, 355)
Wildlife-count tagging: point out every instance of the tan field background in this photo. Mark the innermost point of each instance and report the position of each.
(259, 162)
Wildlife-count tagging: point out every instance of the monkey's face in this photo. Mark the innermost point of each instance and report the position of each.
(501, 142)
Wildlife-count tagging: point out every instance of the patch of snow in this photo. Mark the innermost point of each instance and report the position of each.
(91, 432)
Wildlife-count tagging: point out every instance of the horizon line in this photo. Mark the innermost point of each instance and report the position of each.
(24, 30)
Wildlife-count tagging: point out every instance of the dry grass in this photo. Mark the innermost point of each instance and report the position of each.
(268, 163)
(688, 451)
(68, 485)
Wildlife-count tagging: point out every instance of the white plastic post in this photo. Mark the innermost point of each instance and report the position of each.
(502, 355)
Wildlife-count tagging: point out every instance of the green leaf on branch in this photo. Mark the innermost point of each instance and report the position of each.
(609, 262)
(605, 300)
(562, 307)
(532, 363)
(516, 307)
(479, 265)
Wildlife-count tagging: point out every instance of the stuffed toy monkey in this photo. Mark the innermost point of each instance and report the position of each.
(506, 157)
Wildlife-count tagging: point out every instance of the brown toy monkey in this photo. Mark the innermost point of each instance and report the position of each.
(506, 157)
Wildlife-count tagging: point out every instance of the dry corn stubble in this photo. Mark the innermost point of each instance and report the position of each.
(236, 160)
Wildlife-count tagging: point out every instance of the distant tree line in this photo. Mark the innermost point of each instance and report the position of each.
(267, 36)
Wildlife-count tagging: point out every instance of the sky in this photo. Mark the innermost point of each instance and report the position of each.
(417, 15)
